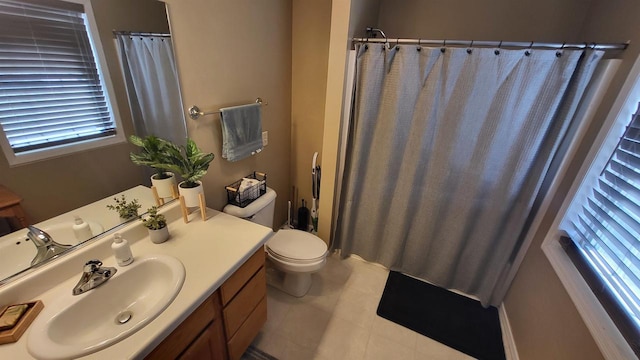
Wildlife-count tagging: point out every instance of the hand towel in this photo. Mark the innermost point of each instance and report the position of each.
(241, 131)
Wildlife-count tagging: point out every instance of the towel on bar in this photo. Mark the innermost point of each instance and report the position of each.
(241, 131)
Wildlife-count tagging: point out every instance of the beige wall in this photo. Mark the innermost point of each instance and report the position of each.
(525, 20)
(230, 53)
(310, 52)
(544, 321)
(58, 185)
(347, 17)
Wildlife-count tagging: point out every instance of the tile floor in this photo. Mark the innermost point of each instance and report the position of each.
(337, 320)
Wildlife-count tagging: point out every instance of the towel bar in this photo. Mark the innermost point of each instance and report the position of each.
(194, 111)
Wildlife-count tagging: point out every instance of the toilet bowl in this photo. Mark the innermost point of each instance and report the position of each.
(296, 254)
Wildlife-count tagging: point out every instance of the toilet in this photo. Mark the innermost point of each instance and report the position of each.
(296, 254)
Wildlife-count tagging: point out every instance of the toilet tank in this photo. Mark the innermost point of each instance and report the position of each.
(260, 211)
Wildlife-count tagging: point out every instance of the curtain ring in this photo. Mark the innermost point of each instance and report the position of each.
(497, 51)
(528, 51)
(444, 44)
(397, 47)
(419, 47)
(559, 52)
(469, 50)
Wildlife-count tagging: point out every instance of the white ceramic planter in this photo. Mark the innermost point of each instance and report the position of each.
(191, 194)
(164, 187)
(159, 236)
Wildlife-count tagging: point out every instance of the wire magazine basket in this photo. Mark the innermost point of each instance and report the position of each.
(242, 196)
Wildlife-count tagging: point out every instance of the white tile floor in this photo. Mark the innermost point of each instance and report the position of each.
(337, 320)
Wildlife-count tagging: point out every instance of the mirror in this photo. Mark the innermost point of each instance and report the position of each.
(17, 251)
(67, 184)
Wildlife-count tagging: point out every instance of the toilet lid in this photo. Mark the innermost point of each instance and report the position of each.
(298, 245)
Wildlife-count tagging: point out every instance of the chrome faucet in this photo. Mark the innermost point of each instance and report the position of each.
(45, 245)
(93, 276)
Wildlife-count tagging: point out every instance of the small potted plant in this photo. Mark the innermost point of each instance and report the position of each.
(126, 209)
(157, 225)
(192, 164)
(153, 154)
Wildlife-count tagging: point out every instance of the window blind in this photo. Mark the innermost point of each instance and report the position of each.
(606, 226)
(50, 88)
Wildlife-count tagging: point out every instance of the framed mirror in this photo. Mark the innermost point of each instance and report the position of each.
(65, 181)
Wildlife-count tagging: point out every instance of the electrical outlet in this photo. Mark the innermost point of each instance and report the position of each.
(265, 138)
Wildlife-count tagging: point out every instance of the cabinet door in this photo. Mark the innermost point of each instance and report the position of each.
(208, 346)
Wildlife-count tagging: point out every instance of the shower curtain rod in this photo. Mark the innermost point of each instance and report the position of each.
(143, 34)
(494, 44)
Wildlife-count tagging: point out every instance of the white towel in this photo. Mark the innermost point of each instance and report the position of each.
(241, 131)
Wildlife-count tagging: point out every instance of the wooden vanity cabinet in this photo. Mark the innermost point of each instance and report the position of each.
(200, 336)
(225, 324)
(244, 304)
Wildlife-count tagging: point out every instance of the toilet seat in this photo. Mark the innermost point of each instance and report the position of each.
(298, 247)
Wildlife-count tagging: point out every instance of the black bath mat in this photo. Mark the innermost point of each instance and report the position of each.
(444, 316)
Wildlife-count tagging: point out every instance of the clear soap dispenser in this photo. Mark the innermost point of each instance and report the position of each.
(122, 250)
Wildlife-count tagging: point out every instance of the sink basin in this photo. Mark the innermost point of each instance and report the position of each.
(16, 251)
(75, 326)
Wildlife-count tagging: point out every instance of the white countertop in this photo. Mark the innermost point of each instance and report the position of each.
(210, 250)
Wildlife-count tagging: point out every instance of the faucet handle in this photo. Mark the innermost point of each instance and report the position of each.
(92, 265)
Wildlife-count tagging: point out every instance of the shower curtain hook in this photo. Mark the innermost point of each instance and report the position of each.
(528, 51)
(559, 52)
(470, 49)
(497, 51)
(444, 44)
(419, 47)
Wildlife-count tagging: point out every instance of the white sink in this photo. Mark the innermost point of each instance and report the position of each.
(16, 251)
(75, 326)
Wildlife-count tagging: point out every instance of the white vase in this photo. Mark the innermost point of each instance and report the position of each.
(164, 187)
(191, 198)
(159, 236)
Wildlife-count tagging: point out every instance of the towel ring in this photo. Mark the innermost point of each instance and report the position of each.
(194, 111)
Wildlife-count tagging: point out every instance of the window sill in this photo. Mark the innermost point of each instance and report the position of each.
(59, 151)
(606, 335)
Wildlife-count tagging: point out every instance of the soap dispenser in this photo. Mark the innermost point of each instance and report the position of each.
(122, 250)
(81, 229)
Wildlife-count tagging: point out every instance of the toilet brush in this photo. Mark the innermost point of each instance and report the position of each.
(303, 217)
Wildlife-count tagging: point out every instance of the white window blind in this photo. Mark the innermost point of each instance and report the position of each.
(606, 225)
(50, 89)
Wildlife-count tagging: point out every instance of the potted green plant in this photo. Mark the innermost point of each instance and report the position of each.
(126, 209)
(192, 164)
(153, 154)
(157, 225)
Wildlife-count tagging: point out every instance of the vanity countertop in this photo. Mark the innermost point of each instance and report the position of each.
(211, 252)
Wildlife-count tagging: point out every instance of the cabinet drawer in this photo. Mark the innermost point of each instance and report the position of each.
(237, 311)
(231, 287)
(181, 337)
(248, 331)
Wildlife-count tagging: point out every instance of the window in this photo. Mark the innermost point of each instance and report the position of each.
(604, 225)
(52, 94)
(597, 260)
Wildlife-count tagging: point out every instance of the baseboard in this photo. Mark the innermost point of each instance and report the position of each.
(510, 350)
